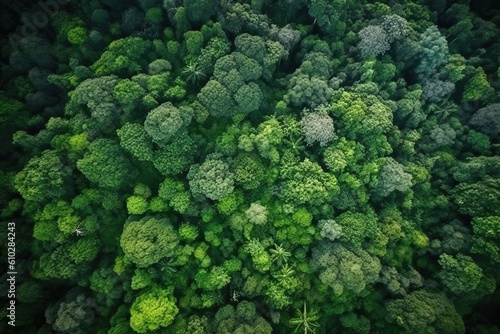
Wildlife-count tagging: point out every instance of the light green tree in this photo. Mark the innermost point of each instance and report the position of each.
(153, 310)
(305, 321)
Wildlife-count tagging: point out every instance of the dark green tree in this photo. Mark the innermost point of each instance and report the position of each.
(44, 178)
(105, 164)
(423, 311)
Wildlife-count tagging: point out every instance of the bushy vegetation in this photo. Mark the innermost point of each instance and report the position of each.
(253, 166)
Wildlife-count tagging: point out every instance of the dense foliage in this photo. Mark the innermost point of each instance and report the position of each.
(253, 166)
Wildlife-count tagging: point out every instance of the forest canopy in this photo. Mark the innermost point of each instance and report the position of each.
(251, 166)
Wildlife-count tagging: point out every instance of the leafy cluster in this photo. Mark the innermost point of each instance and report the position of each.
(251, 166)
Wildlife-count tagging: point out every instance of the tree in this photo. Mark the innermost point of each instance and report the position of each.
(199, 11)
(243, 319)
(435, 90)
(129, 94)
(137, 205)
(286, 36)
(477, 87)
(194, 42)
(177, 156)
(96, 97)
(77, 36)
(217, 99)
(377, 120)
(476, 169)
(408, 113)
(269, 135)
(460, 273)
(400, 281)
(478, 199)
(279, 254)
(277, 297)
(248, 98)
(154, 15)
(44, 178)
(105, 164)
(373, 40)
(148, 240)
(142, 190)
(124, 56)
(251, 46)
(11, 112)
(486, 236)
(72, 315)
(241, 17)
(260, 257)
(249, 171)
(395, 27)
(355, 323)
(153, 310)
(329, 15)
(356, 227)
(296, 229)
(468, 33)
(56, 221)
(317, 63)
(317, 127)
(453, 238)
(344, 269)
(197, 325)
(305, 320)
(217, 47)
(34, 50)
(443, 135)
(306, 90)
(232, 89)
(159, 66)
(56, 265)
(275, 53)
(107, 284)
(306, 182)
(256, 214)
(169, 188)
(391, 177)
(188, 232)
(212, 178)
(342, 153)
(193, 72)
(29, 292)
(433, 52)
(423, 311)
(453, 69)
(245, 67)
(251, 166)
(38, 77)
(163, 122)
(181, 22)
(134, 139)
(329, 229)
(84, 250)
(215, 279)
(132, 20)
(359, 113)
(99, 18)
(487, 119)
